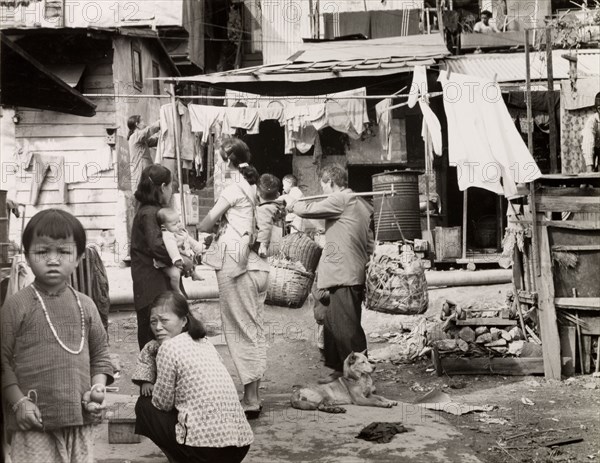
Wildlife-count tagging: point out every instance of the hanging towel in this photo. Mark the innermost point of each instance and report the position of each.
(355, 108)
(483, 142)
(203, 118)
(385, 128)
(43, 165)
(338, 119)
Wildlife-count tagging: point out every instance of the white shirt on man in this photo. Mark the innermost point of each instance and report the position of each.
(481, 28)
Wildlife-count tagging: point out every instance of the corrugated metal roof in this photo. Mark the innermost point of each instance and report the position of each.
(332, 60)
(410, 46)
(510, 67)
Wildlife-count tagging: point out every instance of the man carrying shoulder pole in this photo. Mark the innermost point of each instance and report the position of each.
(349, 242)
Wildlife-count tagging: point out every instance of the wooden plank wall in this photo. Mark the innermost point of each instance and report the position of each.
(82, 142)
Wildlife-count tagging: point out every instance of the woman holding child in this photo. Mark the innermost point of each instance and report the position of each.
(242, 275)
(154, 192)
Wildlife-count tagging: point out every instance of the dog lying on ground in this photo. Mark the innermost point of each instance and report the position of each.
(354, 387)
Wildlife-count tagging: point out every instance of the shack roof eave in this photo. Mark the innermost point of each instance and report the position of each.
(510, 67)
(324, 67)
(24, 81)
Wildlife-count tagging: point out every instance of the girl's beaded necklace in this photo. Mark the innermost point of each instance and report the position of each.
(62, 344)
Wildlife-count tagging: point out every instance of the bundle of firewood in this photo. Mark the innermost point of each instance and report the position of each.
(477, 331)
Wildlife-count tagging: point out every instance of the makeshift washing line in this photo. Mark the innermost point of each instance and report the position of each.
(260, 97)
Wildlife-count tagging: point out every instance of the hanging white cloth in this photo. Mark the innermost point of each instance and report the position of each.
(240, 118)
(431, 125)
(385, 128)
(418, 87)
(483, 142)
(203, 118)
(355, 108)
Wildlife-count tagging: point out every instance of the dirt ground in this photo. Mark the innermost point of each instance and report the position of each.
(512, 431)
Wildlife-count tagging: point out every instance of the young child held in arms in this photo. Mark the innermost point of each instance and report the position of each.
(292, 192)
(267, 213)
(55, 362)
(182, 248)
(270, 214)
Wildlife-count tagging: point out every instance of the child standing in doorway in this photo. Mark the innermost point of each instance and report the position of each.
(54, 350)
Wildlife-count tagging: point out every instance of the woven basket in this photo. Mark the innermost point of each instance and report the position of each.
(391, 289)
(299, 247)
(288, 286)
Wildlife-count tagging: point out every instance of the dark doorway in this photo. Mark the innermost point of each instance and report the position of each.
(268, 148)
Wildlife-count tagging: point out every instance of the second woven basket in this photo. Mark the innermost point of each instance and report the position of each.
(298, 247)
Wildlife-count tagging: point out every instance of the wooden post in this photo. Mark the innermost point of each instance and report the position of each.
(528, 94)
(311, 15)
(500, 221)
(317, 19)
(551, 103)
(546, 309)
(176, 138)
(534, 234)
(464, 225)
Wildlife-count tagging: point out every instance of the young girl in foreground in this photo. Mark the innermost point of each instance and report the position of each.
(54, 350)
(194, 413)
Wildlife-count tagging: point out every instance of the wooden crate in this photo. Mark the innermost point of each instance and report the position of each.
(122, 431)
(448, 243)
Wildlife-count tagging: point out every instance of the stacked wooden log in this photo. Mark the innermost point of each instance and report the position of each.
(478, 331)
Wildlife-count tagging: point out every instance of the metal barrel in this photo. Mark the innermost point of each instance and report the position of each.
(400, 211)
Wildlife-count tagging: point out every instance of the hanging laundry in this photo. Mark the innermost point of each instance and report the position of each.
(305, 138)
(483, 142)
(337, 119)
(418, 87)
(432, 128)
(240, 118)
(198, 159)
(318, 152)
(385, 128)
(43, 166)
(301, 125)
(203, 118)
(166, 143)
(272, 112)
(355, 108)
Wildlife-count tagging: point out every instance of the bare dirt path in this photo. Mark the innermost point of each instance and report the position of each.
(512, 431)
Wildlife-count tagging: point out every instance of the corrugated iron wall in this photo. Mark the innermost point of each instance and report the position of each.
(286, 22)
